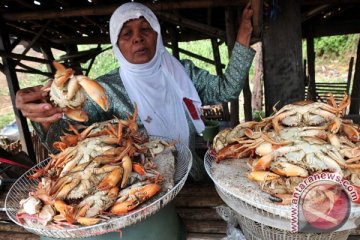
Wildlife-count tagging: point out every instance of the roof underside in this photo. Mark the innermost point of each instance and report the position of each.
(58, 23)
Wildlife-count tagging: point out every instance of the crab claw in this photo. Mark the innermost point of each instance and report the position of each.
(138, 168)
(350, 132)
(288, 169)
(264, 162)
(127, 165)
(87, 221)
(111, 179)
(65, 210)
(77, 115)
(262, 176)
(62, 74)
(95, 91)
(135, 199)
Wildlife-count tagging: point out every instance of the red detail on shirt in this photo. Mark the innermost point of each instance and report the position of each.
(191, 107)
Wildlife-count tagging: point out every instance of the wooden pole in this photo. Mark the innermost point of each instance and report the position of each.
(311, 68)
(230, 39)
(13, 84)
(348, 83)
(282, 56)
(355, 93)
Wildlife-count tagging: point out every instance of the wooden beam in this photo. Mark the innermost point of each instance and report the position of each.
(194, 55)
(13, 84)
(332, 28)
(96, 24)
(197, 26)
(7, 54)
(108, 9)
(315, 11)
(319, 2)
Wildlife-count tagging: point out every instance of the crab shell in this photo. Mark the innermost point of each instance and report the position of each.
(71, 91)
(31, 205)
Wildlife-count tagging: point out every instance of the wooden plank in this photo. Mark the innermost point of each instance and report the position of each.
(4, 216)
(195, 201)
(17, 236)
(198, 190)
(107, 9)
(205, 236)
(194, 226)
(11, 227)
(203, 214)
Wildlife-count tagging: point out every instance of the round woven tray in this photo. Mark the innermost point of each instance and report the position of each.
(246, 198)
(23, 186)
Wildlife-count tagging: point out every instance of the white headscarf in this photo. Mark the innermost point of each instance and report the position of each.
(158, 86)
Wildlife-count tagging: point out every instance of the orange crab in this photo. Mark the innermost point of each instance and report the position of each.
(70, 91)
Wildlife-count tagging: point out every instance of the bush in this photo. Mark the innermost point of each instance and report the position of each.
(336, 46)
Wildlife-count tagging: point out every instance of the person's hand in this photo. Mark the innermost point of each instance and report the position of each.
(245, 28)
(33, 105)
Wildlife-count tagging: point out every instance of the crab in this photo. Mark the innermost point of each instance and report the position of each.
(68, 90)
(311, 114)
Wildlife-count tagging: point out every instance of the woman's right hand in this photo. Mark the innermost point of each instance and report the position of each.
(33, 105)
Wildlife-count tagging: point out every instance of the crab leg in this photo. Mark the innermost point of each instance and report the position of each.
(62, 74)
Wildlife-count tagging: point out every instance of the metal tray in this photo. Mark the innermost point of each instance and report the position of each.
(23, 186)
(247, 199)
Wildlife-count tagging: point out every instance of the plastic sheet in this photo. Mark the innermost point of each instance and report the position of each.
(232, 232)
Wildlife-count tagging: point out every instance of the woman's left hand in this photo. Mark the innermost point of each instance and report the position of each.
(245, 28)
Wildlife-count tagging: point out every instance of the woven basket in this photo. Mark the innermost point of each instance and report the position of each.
(257, 231)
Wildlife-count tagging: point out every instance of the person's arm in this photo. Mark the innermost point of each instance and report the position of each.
(216, 89)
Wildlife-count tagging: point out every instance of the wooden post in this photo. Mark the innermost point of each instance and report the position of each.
(311, 68)
(355, 94)
(230, 39)
(247, 100)
(13, 84)
(46, 51)
(282, 53)
(174, 41)
(348, 83)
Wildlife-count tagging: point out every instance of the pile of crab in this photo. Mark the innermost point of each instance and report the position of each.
(299, 140)
(101, 171)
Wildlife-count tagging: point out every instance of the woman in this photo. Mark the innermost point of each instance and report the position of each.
(168, 93)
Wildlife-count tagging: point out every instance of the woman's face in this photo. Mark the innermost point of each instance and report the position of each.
(137, 41)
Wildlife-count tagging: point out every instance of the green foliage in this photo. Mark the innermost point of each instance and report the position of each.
(336, 46)
(204, 49)
(104, 62)
(6, 118)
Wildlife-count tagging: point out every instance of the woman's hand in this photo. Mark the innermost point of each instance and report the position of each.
(245, 28)
(33, 105)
